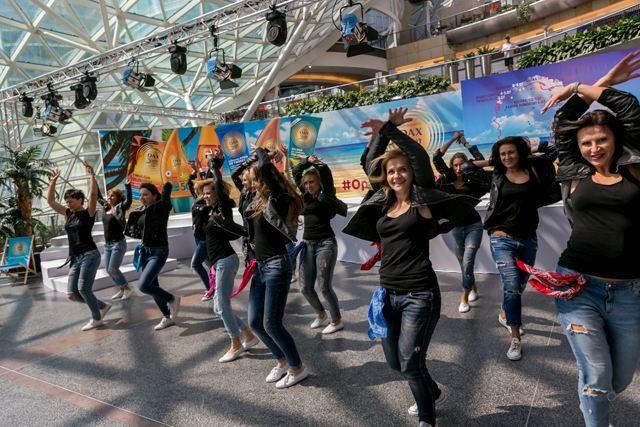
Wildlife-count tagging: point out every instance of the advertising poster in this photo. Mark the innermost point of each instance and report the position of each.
(303, 137)
(234, 144)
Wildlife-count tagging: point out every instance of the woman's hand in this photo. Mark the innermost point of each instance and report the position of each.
(397, 116)
(88, 168)
(559, 96)
(314, 159)
(623, 71)
(375, 126)
(55, 175)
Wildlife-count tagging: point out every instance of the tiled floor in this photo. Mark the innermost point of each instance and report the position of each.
(128, 374)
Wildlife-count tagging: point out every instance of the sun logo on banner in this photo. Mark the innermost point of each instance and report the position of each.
(20, 248)
(233, 143)
(304, 135)
(425, 127)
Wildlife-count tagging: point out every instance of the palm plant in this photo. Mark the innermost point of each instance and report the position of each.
(28, 176)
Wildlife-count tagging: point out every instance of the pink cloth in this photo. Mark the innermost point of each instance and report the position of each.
(558, 285)
(246, 276)
(368, 265)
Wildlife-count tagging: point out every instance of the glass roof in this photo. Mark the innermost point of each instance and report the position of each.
(43, 36)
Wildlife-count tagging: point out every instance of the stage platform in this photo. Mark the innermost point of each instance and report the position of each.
(127, 374)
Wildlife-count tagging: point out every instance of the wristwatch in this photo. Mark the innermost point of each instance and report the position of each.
(575, 88)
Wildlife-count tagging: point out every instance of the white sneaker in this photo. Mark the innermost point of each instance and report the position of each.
(515, 350)
(473, 295)
(230, 356)
(118, 295)
(247, 345)
(92, 324)
(105, 310)
(291, 380)
(413, 409)
(463, 308)
(503, 322)
(174, 307)
(126, 294)
(331, 328)
(164, 323)
(276, 373)
(318, 322)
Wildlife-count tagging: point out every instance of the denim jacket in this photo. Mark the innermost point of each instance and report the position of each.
(572, 166)
(448, 210)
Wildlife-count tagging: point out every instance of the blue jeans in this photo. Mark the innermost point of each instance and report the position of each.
(267, 300)
(603, 328)
(468, 239)
(200, 256)
(82, 274)
(152, 260)
(226, 269)
(113, 255)
(319, 262)
(411, 319)
(504, 251)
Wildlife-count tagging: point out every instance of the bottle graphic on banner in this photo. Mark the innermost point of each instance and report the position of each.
(176, 169)
(144, 164)
(207, 146)
(270, 139)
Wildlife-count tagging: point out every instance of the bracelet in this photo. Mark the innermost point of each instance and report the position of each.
(575, 88)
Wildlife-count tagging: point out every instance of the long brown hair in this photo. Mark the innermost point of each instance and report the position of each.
(381, 162)
(226, 188)
(296, 205)
(119, 196)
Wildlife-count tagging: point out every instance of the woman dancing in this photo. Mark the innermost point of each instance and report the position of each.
(272, 217)
(149, 223)
(600, 175)
(403, 214)
(200, 211)
(315, 180)
(84, 257)
(520, 184)
(219, 231)
(113, 220)
(459, 178)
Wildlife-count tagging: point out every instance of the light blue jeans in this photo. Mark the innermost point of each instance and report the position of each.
(226, 269)
(113, 256)
(603, 328)
(82, 274)
(468, 239)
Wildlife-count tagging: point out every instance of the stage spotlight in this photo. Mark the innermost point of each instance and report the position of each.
(89, 87)
(178, 58)
(355, 33)
(221, 71)
(276, 27)
(80, 101)
(132, 77)
(27, 105)
(57, 114)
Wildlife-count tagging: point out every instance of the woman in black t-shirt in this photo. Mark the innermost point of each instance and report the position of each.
(315, 180)
(458, 178)
(115, 246)
(520, 184)
(403, 214)
(84, 258)
(200, 216)
(600, 176)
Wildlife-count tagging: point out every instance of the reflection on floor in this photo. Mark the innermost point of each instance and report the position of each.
(127, 374)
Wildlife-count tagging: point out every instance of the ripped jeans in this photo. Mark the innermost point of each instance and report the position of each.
(468, 239)
(318, 264)
(603, 328)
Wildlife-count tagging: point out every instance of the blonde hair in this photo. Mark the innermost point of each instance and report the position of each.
(381, 162)
(296, 206)
(312, 172)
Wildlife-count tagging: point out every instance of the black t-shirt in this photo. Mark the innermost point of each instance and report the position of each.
(606, 230)
(467, 189)
(267, 240)
(200, 216)
(405, 264)
(317, 220)
(516, 212)
(113, 229)
(141, 221)
(218, 246)
(78, 227)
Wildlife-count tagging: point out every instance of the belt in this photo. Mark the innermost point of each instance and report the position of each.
(273, 258)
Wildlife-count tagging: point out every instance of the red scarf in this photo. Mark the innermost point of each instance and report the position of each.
(558, 285)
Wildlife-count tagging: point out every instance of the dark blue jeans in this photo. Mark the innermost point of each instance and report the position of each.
(411, 319)
(504, 251)
(267, 300)
(200, 256)
(152, 260)
(468, 239)
(82, 274)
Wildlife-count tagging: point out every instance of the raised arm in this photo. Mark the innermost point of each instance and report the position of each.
(93, 190)
(51, 194)
(127, 203)
(269, 174)
(376, 147)
(225, 203)
(191, 186)
(165, 197)
(326, 177)
(298, 170)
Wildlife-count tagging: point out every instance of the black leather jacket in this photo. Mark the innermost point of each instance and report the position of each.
(448, 210)
(541, 168)
(327, 194)
(155, 220)
(222, 213)
(274, 180)
(473, 179)
(572, 166)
